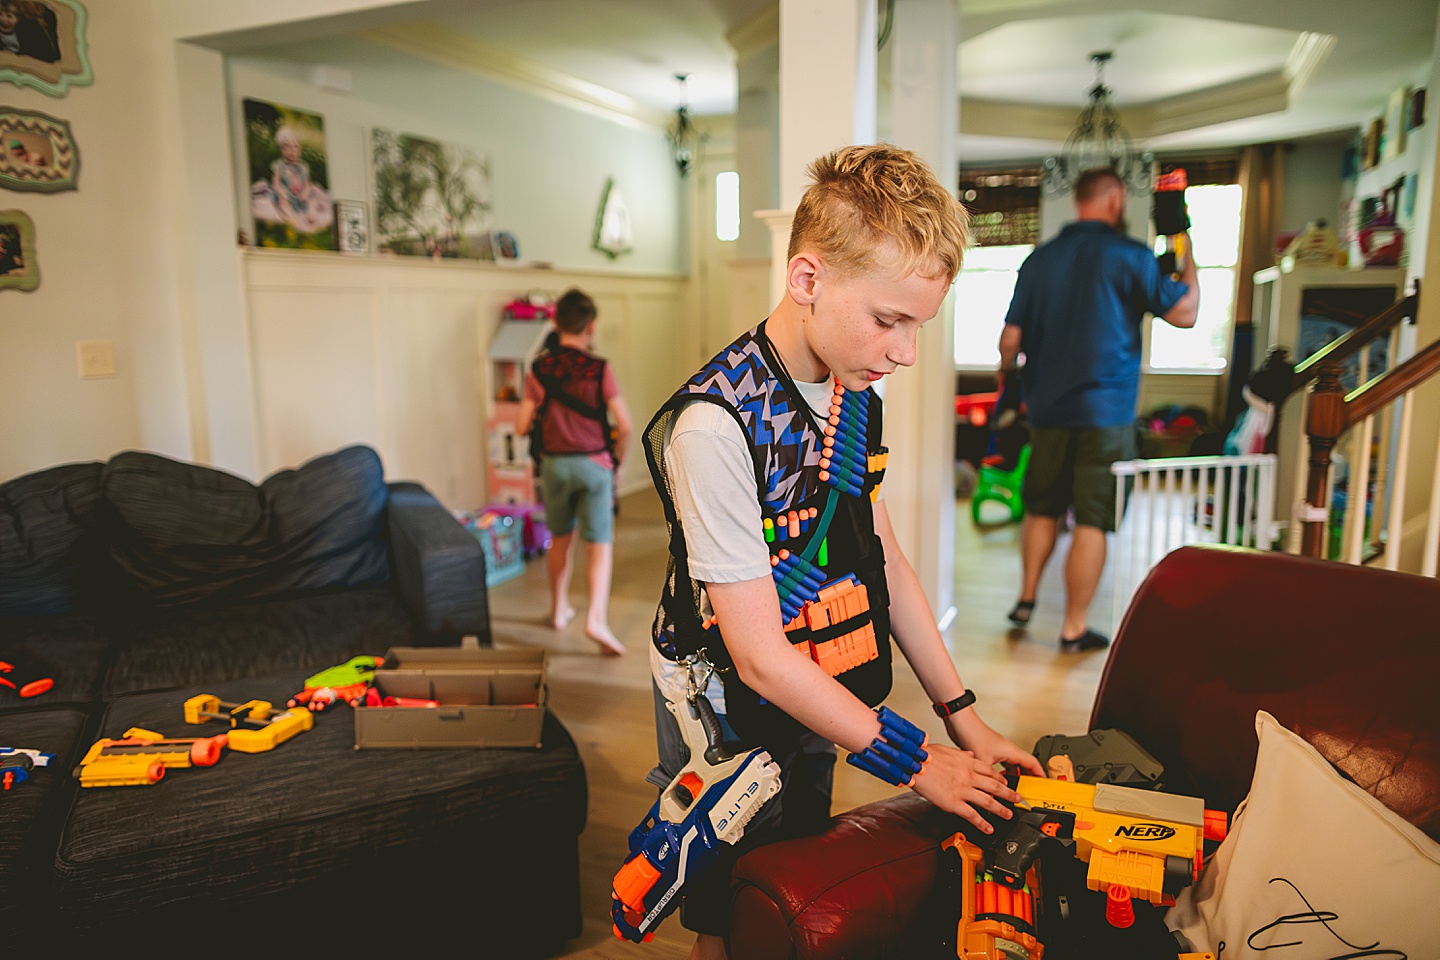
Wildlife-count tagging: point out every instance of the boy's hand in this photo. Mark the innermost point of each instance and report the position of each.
(961, 783)
(972, 733)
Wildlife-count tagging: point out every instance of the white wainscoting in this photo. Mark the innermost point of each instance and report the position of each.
(390, 352)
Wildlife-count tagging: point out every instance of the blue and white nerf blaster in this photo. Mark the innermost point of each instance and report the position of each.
(709, 803)
(16, 763)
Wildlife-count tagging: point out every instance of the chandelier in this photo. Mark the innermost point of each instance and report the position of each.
(685, 136)
(1098, 140)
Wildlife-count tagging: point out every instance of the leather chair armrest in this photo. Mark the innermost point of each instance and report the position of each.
(439, 568)
(863, 888)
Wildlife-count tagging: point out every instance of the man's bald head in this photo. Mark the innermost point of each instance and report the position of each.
(1100, 195)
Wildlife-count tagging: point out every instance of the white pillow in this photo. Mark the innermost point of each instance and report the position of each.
(1313, 867)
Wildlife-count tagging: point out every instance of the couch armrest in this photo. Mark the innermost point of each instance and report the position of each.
(439, 567)
(863, 888)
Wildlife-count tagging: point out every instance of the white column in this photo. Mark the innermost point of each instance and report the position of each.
(827, 84)
(919, 402)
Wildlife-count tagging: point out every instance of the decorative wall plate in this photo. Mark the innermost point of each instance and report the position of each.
(37, 152)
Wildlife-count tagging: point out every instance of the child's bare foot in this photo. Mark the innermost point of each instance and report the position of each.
(562, 617)
(610, 646)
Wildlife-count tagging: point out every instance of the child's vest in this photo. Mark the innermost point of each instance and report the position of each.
(815, 482)
(559, 372)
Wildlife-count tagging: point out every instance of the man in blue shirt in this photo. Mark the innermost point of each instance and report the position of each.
(1076, 313)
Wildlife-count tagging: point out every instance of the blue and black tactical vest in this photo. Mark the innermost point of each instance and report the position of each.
(816, 480)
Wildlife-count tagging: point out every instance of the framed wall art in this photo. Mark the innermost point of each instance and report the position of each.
(289, 183)
(37, 152)
(352, 225)
(19, 269)
(432, 199)
(42, 45)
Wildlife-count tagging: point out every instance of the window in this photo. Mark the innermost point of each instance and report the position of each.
(1215, 230)
(727, 205)
(1004, 210)
(982, 298)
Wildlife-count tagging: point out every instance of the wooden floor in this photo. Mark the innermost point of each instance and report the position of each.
(1026, 688)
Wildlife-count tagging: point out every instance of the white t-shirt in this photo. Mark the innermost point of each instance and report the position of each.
(712, 474)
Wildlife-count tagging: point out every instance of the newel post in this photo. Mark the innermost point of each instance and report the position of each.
(1324, 422)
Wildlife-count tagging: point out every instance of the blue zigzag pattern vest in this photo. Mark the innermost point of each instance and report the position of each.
(815, 482)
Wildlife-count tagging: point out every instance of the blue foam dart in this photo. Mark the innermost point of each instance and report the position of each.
(680, 837)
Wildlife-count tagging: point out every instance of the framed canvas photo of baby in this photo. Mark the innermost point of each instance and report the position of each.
(289, 186)
(42, 45)
(19, 270)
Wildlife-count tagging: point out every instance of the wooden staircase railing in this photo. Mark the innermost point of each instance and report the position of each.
(1331, 413)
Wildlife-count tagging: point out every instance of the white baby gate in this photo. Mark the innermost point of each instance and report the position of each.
(1182, 500)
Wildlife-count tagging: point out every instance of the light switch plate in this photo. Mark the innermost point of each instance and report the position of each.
(96, 358)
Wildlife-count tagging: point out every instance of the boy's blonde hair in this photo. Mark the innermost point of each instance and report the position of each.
(860, 197)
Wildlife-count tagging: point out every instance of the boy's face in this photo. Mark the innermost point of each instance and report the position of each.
(864, 326)
(8, 19)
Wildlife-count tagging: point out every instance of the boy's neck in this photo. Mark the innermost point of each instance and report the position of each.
(575, 341)
(786, 330)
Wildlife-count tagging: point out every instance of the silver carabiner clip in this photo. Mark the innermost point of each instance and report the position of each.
(696, 664)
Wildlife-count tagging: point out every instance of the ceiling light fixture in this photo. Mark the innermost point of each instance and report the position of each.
(685, 136)
(1098, 140)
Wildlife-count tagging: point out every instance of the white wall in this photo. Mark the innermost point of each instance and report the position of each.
(108, 265)
(549, 163)
(144, 253)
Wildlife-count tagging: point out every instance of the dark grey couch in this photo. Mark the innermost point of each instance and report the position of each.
(139, 582)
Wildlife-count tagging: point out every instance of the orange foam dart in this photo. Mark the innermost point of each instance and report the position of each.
(987, 896)
(1118, 908)
(1215, 825)
(1004, 902)
(1050, 829)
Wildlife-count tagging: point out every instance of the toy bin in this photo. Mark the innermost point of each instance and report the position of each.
(482, 697)
(502, 541)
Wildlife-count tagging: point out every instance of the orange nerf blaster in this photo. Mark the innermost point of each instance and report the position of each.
(141, 757)
(996, 922)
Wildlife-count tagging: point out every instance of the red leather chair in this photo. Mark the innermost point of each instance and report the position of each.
(1346, 656)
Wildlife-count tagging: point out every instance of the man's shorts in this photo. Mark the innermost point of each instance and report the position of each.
(1070, 467)
(573, 487)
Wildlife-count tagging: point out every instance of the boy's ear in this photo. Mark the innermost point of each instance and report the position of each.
(802, 278)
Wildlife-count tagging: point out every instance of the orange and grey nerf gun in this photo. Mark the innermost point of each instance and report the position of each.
(1137, 843)
(1172, 219)
(141, 757)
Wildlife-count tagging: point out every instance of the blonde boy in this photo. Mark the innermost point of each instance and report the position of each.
(769, 462)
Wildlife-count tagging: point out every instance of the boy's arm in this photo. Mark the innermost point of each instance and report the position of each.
(749, 616)
(915, 633)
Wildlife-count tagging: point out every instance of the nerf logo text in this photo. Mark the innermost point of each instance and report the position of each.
(741, 802)
(1145, 831)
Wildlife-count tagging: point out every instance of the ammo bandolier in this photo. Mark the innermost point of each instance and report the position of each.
(816, 483)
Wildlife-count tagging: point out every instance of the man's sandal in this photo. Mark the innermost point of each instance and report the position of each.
(1021, 614)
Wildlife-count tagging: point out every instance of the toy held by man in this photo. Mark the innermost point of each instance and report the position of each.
(345, 682)
(254, 725)
(709, 802)
(17, 763)
(26, 683)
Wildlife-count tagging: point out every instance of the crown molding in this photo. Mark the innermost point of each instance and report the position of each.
(447, 48)
(1309, 52)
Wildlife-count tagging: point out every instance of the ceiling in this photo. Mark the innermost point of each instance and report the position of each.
(1220, 73)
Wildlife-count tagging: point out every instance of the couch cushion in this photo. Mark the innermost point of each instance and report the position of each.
(316, 821)
(69, 649)
(48, 545)
(182, 533)
(180, 646)
(31, 812)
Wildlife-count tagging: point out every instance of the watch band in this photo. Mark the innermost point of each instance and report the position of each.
(955, 706)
